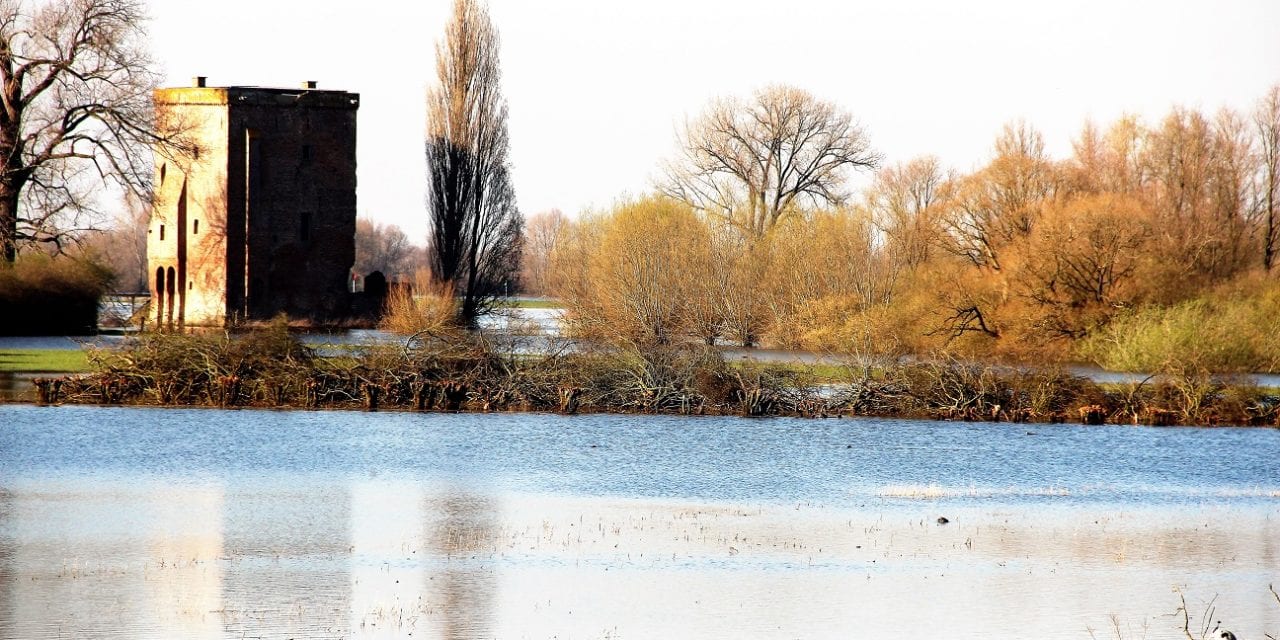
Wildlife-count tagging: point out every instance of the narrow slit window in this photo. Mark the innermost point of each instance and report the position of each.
(161, 233)
(195, 227)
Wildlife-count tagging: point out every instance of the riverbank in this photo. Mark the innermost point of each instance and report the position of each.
(272, 368)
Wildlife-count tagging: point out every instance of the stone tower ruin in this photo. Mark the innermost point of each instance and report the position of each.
(260, 218)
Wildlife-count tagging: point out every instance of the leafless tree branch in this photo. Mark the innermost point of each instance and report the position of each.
(76, 88)
(755, 162)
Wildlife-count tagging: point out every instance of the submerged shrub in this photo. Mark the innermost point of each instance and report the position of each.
(269, 367)
(266, 365)
(1190, 346)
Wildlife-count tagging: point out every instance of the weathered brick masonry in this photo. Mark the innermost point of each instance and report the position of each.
(261, 220)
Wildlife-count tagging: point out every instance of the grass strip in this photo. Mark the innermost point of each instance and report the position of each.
(43, 361)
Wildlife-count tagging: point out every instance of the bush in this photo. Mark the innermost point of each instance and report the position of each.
(265, 366)
(1191, 345)
(626, 278)
(1230, 330)
(42, 295)
(424, 307)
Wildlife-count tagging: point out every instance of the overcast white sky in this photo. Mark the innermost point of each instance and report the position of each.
(596, 88)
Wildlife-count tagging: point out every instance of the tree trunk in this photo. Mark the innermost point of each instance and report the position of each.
(13, 173)
(471, 297)
(1269, 242)
(9, 221)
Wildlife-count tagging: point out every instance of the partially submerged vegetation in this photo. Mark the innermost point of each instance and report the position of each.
(532, 303)
(449, 370)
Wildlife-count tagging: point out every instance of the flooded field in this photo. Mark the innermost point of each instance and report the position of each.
(138, 523)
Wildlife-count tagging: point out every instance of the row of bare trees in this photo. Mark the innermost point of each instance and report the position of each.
(385, 248)
(1027, 247)
(1137, 214)
(753, 237)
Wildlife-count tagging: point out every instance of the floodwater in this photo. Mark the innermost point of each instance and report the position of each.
(163, 523)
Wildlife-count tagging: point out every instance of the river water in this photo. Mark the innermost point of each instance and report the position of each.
(164, 523)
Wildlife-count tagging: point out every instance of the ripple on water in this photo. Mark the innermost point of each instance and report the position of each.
(197, 523)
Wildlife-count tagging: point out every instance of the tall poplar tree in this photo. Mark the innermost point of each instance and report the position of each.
(475, 224)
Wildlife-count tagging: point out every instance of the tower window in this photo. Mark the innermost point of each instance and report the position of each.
(195, 227)
(161, 233)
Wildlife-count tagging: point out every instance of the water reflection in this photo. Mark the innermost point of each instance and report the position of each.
(376, 558)
(462, 526)
(17, 387)
(8, 569)
(285, 561)
(86, 561)
(181, 578)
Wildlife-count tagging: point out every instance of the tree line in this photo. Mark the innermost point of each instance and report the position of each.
(751, 237)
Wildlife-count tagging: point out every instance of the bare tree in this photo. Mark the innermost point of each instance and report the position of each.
(1234, 203)
(122, 247)
(1000, 204)
(475, 224)
(968, 222)
(903, 201)
(1198, 170)
(755, 162)
(541, 231)
(1110, 161)
(382, 247)
(1266, 117)
(1021, 179)
(76, 84)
